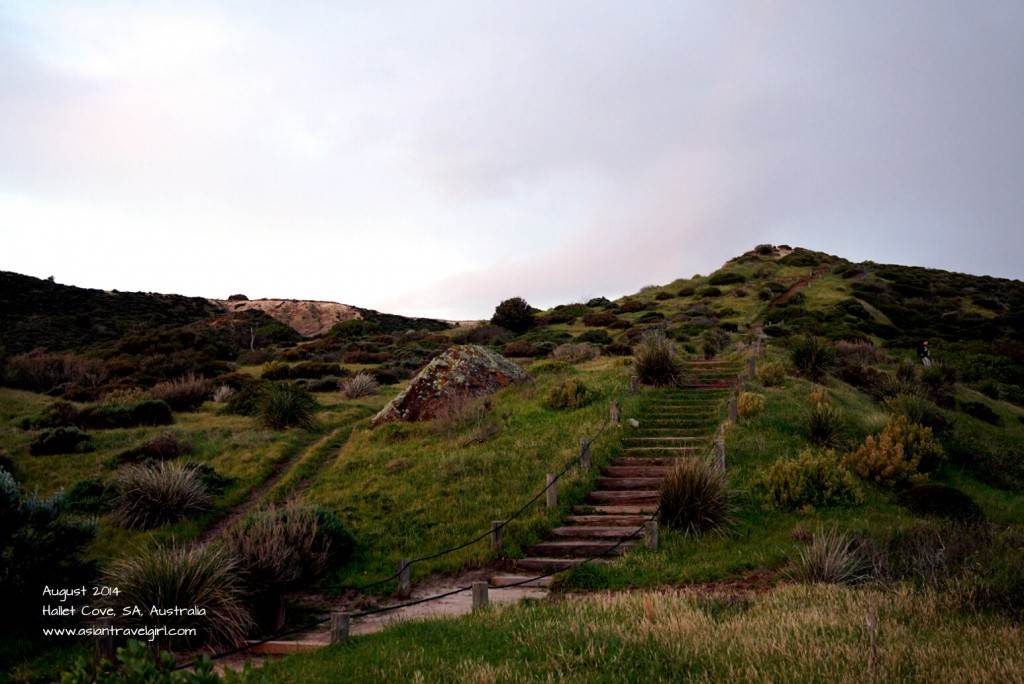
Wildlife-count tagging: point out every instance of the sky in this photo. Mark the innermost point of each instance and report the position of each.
(435, 158)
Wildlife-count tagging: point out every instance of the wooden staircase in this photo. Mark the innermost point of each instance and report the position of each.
(675, 423)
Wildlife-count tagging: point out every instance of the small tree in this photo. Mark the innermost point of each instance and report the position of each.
(513, 314)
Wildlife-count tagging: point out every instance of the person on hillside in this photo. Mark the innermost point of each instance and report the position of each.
(922, 352)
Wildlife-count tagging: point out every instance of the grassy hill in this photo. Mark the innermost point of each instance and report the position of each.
(804, 459)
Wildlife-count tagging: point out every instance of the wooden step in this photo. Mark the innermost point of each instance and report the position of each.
(666, 438)
(579, 549)
(644, 461)
(613, 520)
(636, 471)
(681, 450)
(499, 581)
(596, 532)
(616, 509)
(538, 564)
(609, 496)
(630, 483)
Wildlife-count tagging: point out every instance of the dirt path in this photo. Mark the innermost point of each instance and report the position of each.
(260, 491)
(799, 285)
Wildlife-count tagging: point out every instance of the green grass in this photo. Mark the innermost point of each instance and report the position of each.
(793, 634)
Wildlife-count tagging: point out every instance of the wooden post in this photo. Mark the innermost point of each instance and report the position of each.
(634, 384)
(480, 598)
(752, 366)
(651, 534)
(552, 491)
(733, 410)
(613, 413)
(585, 453)
(404, 578)
(496, 529)
(105, 648)
(720, 451)
(340, 623)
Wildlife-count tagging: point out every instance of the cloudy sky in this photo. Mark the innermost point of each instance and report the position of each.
(433, 158)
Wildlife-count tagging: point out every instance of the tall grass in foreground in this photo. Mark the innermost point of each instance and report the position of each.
(830, 558)
(651, 636)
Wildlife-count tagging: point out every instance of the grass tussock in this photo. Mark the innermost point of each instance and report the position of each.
(284, 405)
(657, 360)
(186, 393)
(157, 494)
(695, 498)
(361, 384)
(831, 558)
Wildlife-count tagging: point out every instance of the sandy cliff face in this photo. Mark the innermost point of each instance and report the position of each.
(308, 318)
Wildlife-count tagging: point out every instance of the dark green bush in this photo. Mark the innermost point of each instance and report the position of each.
(695, 498)
(809, 480)
(940, 501)
(981, 411)
(686, 291)
(513, 314)
(136, 663)
(92, 496)
(570, 394)
(662, 296)
(713, 341)
(520, 349)
(618, 349)
(284, 405)
(650, 317)
(727, 278)
(709, 291)
(824, 425)
(62, 440)
(599, 301)
(599, 319)
(148, 412)
(631, 306)
(246, 399)
(595, 336)
(918, 410)
(812, 356)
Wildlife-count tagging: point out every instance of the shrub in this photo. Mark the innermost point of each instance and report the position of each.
(981, 411)
(749, 404)
(353, 356)
(812, 479)
(519, 349)
(153, 495)
(940, 501)
(186, 393)
(657, 361)
(918, 410)
(513, 314)
(713, 341)
(599, 319)
(898, 455)
(570, 394)
(595, 337)
(103, 416)
(316, 369)
(662, 296)
(44, 372)
(824, 424)
(618, 349)
(166, 447)
(709, 291)
(771, 374)
(858, 352)
(812, 356)
(90, 496)
(764, 250)
(284, 405)
(695, 498)
(137, 663)
(686, 291)
(599, 301)
(727, 278)
(830, 558)
(631, 306)
(169, 577)
(246, 401)
(359, 385)
(574, 352)
(62, 440)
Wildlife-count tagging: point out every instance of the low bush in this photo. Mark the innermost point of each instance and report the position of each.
(246, 399)
(811, 480)
(749, 404)
(136, 663)
(695, 498)
(599, 301)
(831, 558)
(61, 440)
(359, 385)
(858, 352)
(574, 352)
(599, 319)
(595, 337)
(657, 361)
(662, 296)
(709, 291)
(89, 497)
(997, 466)
(569, 394)
(713, 341)
(727, 278)
(169, 577)
(940, 501)
(45, 371)
(812, 357)
(981, 411)
(771, 374)
(519, 349)
(631, 306)
(316, 369)
(686, 291)
(149, 412)
(917, 409)
(513, 314)
(357, 356)
(156, 494)
(900, 455)
(618, 349)
(186, 393)
(283, 405)
(165, 447)
(825, 424)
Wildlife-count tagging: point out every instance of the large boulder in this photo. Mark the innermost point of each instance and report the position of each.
(460, 373)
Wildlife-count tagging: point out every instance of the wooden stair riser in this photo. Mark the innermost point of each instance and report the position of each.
(603, 520)
(634, 497)
(616, 509)
(630, 483)
(635, 471)
(580, 549)
(605, 533)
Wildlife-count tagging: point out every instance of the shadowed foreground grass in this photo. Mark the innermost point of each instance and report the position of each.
(793, 634)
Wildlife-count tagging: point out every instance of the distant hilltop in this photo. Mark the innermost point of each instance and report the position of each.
(308, 318)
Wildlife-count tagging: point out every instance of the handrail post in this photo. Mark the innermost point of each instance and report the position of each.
(720, 451)
(651, 534)
(340, 623)
(552, 491)
(496, 528)
(404, 578)
(585, 453)
(480, 597)
(613, 413)
(733, 409)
